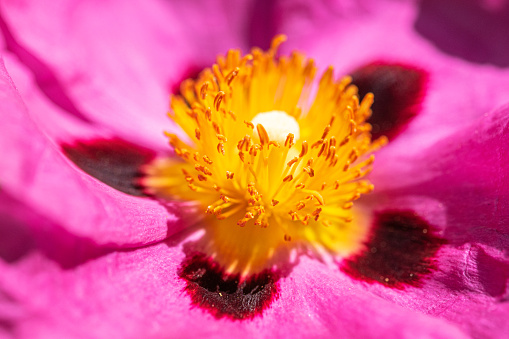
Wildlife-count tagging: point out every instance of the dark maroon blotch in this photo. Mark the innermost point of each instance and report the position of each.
(400, 251)
(399, 90)
(225, 295)
(115, 162)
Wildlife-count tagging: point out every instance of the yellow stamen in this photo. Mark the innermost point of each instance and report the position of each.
(273, 166)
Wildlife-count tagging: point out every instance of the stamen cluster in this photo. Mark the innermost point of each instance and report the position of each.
(303, 189)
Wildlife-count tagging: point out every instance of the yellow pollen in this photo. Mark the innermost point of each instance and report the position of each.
(275, 159)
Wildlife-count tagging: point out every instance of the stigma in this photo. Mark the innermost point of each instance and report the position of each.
(278, 125)
(272, 158)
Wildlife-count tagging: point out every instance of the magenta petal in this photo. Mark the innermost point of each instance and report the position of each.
(25, 231)
(138, 294)
(36, 172)
(124, 76)
(470, 29)
(467, 173)
(351, 34)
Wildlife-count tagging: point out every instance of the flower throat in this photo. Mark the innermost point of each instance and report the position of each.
(272, 158)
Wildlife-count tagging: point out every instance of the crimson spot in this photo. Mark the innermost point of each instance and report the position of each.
(115, 162)
(399, 90)
(399, 253)
(223, 295)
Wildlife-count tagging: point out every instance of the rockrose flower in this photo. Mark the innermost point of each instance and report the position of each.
(268, 214)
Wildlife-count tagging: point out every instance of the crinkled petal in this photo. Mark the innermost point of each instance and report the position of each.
(115, 63)
(35, 171)
(137, 293)
(460, 186)
(466, 173)
(470, 29)
(469, 283)
(351, 34)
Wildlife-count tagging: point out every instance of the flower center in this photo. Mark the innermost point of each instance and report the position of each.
(278, 125)
(274, 182)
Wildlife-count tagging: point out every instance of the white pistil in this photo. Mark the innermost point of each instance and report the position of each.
(278, 125)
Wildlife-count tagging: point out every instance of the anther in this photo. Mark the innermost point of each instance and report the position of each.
(217, 210)
(332, 141)
(293, 161)
(203, 90)
(202, 169)
(220, 148)
(275, 144)
(331, 153)
(262, 133)
(318, 143)
(207, 160)
(304, 150)
(306, 219)
(208, 114)
(289, 140)
(217, 100)
(345, 141)
(232, 75)
(325, 132)
(309, 171)
(316, 213)
(323, 148)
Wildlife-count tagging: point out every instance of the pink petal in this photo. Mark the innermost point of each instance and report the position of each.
(459, 186)
(351, 34)
(469, 281)
(36, 172)
(469, 29)
(467, 173)
(137, 293)
(115, 63)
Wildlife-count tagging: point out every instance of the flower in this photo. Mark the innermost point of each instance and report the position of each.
(82, 259)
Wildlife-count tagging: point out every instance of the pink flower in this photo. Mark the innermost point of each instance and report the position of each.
(84, 91)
